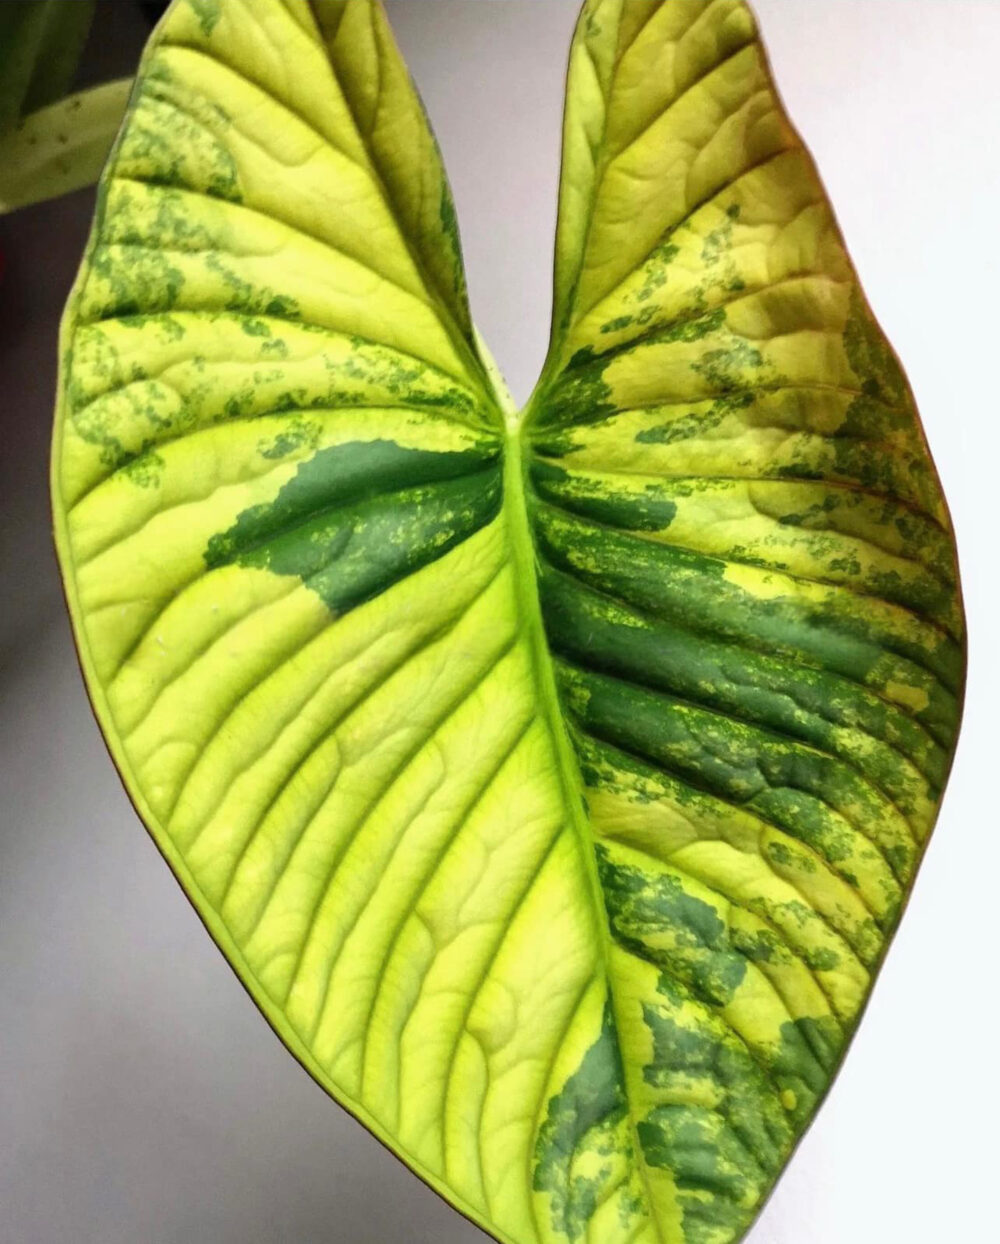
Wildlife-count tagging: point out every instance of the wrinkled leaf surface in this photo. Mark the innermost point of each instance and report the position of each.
(553, 780)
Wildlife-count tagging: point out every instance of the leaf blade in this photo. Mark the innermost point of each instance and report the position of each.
(750, 591)
(249, 424)
(362, 643)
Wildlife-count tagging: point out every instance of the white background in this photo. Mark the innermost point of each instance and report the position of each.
(142, 1098)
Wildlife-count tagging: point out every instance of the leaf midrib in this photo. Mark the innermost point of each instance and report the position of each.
(525, 562)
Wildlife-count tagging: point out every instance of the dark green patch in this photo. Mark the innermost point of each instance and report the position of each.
(254, 327)
(806, 1059)
(654, 917)
(145, 470)
(725, 1151)
(823, 959)
(208, 13)
(723, 1155)
(584, 1116)
(708, 1163)
(811, 795)
(453, 273)
(355, 518)
(782, 854)
(126, 428)
(782, 693)
(684, 1056)
(449, 223)
(580, 395)
(616, 325)
(146, 281)
(760, 946)
(648, 510)
(879, 374)
(694, 425)
(691, 590)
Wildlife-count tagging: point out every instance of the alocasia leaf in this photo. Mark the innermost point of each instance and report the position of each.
(553, 780)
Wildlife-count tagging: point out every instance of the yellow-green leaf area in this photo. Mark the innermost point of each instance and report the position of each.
(554, 780)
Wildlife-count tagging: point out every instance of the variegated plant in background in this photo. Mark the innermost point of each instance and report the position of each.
(554, 779)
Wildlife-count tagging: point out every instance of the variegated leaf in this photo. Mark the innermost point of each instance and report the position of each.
(553, 779)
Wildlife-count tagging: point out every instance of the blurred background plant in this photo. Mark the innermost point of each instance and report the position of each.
(53, 139)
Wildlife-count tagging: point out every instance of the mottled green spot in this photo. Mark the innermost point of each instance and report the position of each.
(807, 1057)
(583, 1117)
(878, 371)
(208, 13)
(298, 433)
(617, 324)
(145, 470)
(725, 368)
(721, 1127)
(782, 854)
(654, 917)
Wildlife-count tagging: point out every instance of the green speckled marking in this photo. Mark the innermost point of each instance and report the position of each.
(655, 918)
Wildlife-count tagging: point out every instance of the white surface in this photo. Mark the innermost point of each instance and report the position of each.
(142, 1099)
